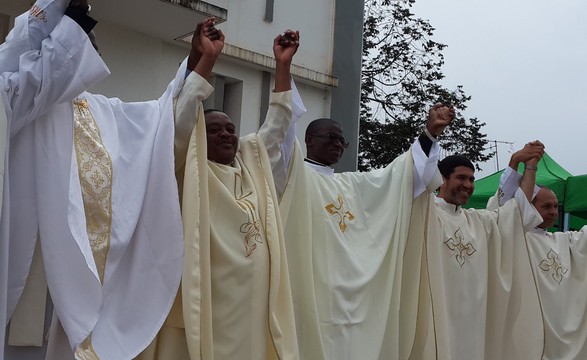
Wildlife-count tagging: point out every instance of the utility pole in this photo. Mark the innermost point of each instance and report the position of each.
(493, 146)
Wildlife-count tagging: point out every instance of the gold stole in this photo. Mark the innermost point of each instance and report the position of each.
(95, 175)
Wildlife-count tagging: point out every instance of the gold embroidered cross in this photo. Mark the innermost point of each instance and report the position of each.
(461, 250)
(343, 215)
(552, 264)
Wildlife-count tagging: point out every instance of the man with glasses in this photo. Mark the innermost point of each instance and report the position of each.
(324, 144)
(346, 235)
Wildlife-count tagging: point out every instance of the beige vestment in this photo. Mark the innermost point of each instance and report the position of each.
(354, 290)
(235, 293)
(559, 262)
(478, 300)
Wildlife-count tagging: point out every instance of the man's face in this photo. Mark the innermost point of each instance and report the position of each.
(547, 205)
(221, 138)
(458, 188)
(326, 145)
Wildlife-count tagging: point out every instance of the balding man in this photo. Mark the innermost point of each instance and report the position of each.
(559, 263)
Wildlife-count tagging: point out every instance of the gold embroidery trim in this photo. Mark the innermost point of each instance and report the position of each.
(85, 350)
(252, 228)
(95, 174)
(553, 265)
(462, 251)
(343, 214)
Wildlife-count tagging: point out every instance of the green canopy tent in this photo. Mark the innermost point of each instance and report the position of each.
(576, 196)
(551, 175)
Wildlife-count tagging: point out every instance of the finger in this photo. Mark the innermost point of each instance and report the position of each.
(198, 29)
(220, 35)
(212, 33)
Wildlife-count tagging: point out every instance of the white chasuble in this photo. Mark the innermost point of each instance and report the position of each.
(483, 303)
(559, 262)
(236, 296)
(111, 288)
(346, 237)
(4, 249)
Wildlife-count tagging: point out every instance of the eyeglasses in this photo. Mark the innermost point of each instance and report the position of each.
(333, 138)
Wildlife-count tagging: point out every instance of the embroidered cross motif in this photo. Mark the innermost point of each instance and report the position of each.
(253, 227)
(552, 264)
(252, 231)
(461, 250)
(343, 215)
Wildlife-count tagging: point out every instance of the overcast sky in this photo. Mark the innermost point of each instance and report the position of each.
(524, 63)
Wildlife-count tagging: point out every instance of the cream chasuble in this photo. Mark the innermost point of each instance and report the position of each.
(235, 291)
(346, 238)
(559, 262)
(4, 249)
(112, 273)
(483, 302)
(263, 328)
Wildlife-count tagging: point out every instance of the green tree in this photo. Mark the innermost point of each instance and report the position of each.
(402, 68)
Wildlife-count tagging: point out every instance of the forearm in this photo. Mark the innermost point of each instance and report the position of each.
(282, 76)
(204, 66)
(528, 182)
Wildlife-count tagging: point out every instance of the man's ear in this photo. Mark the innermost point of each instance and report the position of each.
(308, 140)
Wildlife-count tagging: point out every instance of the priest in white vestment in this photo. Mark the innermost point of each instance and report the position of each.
(235, 300)
(346, 236)
(477, 301)
(559, 264)
(93, 179)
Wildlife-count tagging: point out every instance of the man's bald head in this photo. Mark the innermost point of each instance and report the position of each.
(546, 203)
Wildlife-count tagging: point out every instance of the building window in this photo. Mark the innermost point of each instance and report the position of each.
(227, 97)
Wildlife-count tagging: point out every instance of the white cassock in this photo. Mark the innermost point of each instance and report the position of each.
(346, 235)
(95, 178)
(483, 302)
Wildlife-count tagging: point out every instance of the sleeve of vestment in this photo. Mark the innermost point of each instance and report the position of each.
(43, 17)
(425, 167)
(274, 133)
(194, 90)
(64, 67)
(509, 182)
(530, 216)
